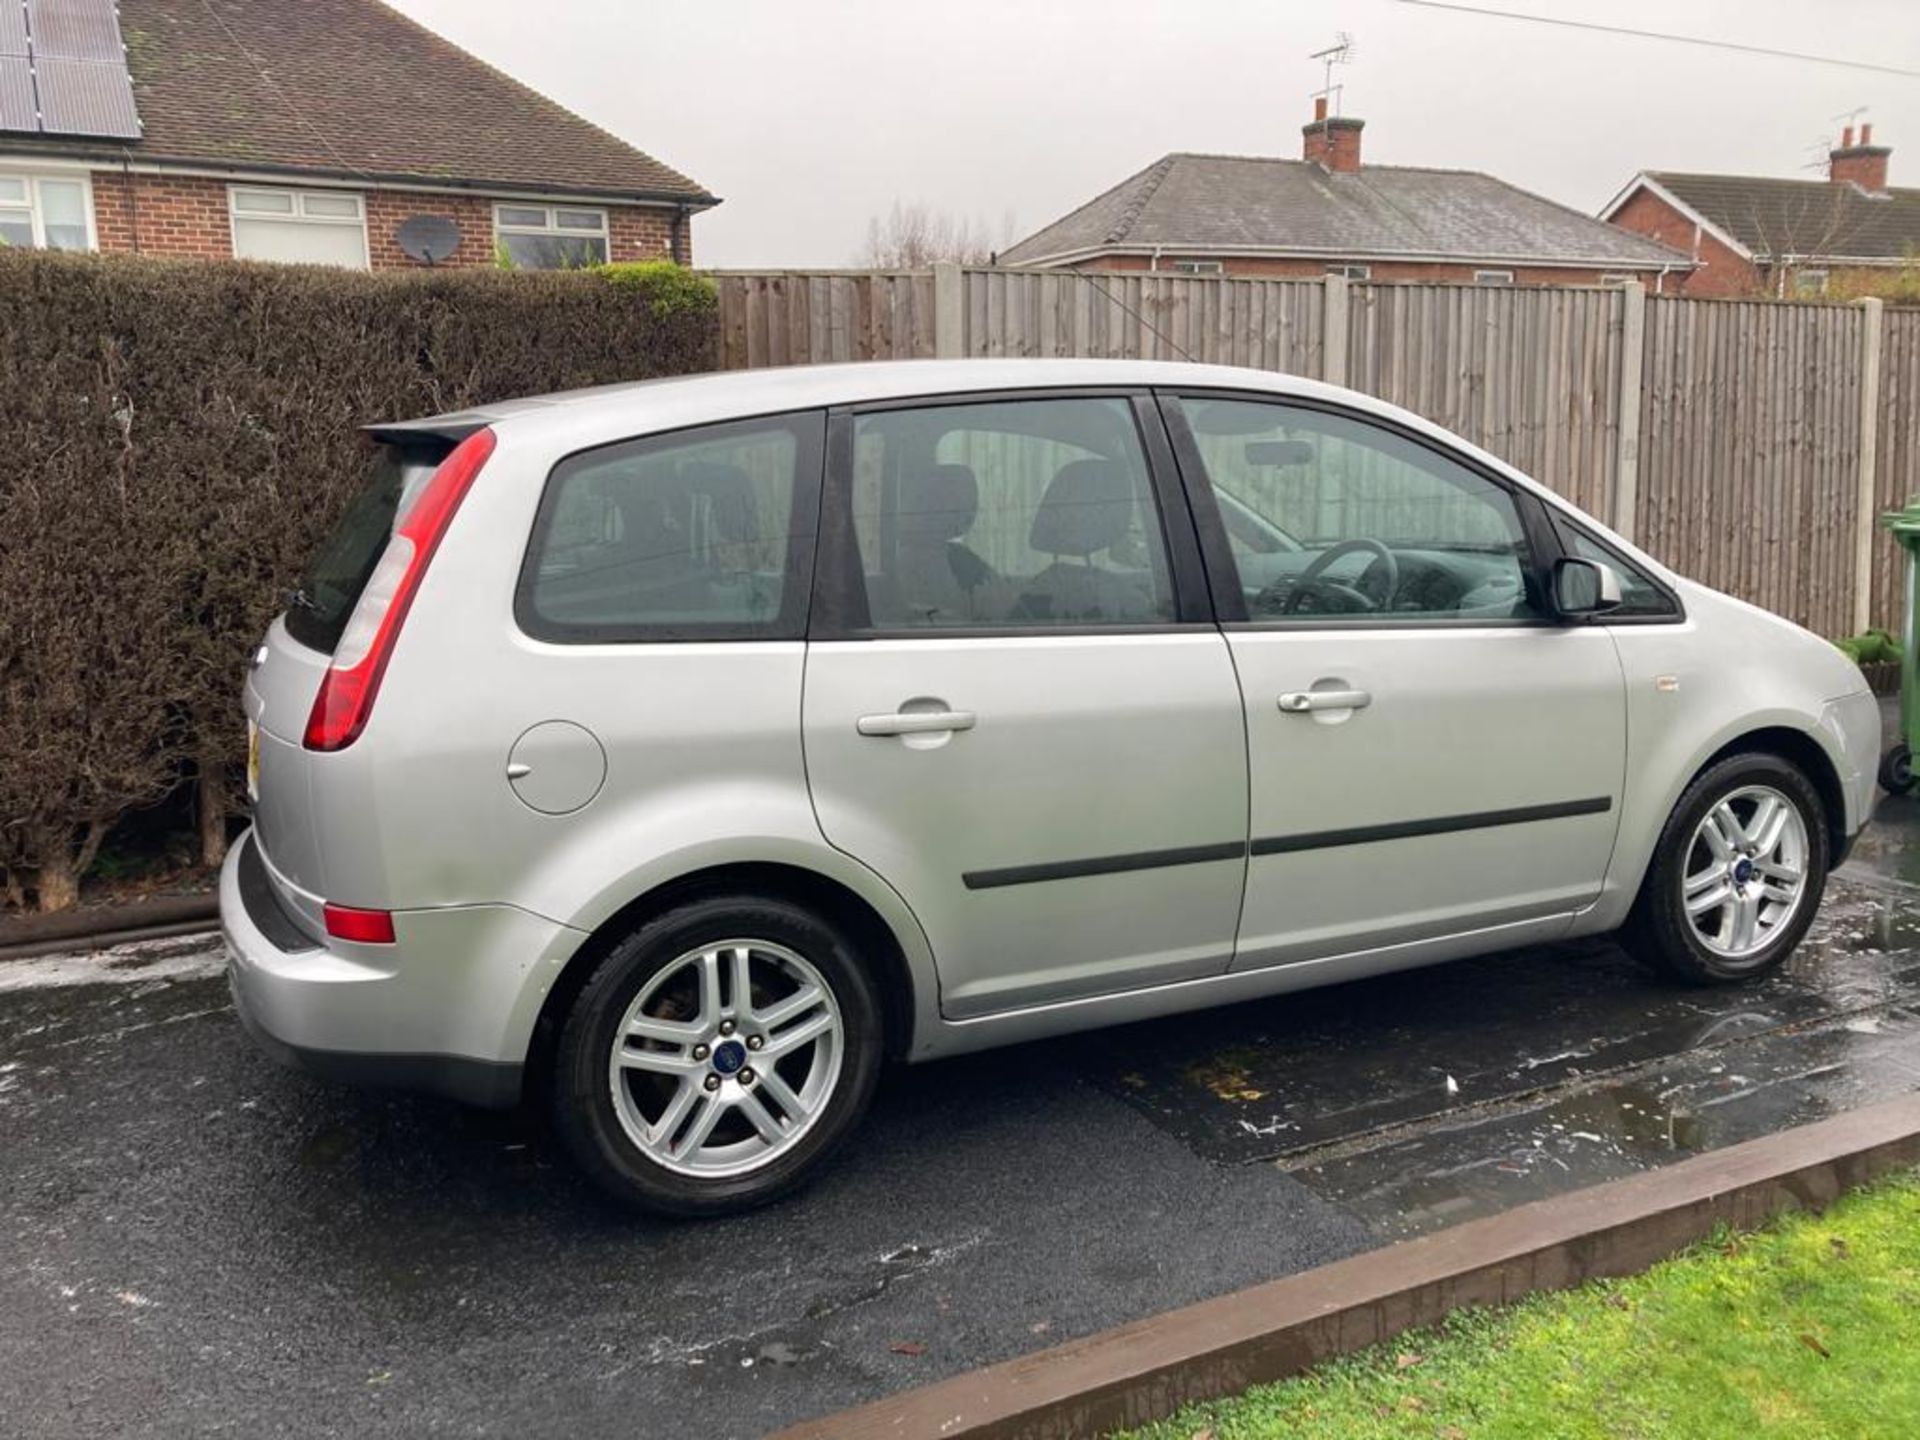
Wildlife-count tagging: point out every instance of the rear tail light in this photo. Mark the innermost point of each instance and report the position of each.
(368, 927)
(352, 680)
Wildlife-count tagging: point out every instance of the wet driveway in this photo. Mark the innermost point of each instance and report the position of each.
(192, 1241)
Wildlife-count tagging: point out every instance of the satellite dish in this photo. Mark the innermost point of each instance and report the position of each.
(428, 238)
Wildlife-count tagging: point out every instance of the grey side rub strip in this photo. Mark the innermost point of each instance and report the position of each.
(1279, 844)
(1440, 825)
(1102, 865)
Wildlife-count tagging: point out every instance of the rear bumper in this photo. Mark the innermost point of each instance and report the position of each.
(449, 1008)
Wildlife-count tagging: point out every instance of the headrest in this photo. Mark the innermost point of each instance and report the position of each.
(1088, 507)
(939, 504)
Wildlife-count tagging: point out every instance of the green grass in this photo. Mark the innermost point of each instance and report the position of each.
(1809, 1328)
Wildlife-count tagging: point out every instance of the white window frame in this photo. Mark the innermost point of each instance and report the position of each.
(1811, 284)
(1493, 277)
(296, 214)
(1198, 267)
(32, 177)
(552, 226)
(1352, 272)
(1617, 277)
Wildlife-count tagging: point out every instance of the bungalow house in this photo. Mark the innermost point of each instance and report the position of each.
(305, 130)
(1757, 235)
(1327, 212)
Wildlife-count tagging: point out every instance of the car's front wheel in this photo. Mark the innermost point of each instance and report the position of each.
(1737, 874)
(717, 1056)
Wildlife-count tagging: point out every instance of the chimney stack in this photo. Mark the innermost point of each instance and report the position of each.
(1331, 142)
(1864, 164)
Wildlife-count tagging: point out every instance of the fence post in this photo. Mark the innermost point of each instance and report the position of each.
(949, 311)
(1626, 474)
(1865, 519)
(1333, 330)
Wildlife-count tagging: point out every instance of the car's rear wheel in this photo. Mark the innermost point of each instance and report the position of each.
(718, 1055)
(1737, 875)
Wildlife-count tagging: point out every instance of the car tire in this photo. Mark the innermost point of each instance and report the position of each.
(631, 1105)
(1719, 944)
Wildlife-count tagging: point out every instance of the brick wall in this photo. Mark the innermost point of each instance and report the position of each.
(182, 215)
(162, 214)
(1722, 272)
(1389, 271)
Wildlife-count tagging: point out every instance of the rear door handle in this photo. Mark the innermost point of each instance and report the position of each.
(1299, 702)
(916, 722)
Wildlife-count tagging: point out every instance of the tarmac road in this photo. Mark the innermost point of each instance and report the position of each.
(195, 1241)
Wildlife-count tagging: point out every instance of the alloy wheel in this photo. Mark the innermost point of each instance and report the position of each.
(726, 1058)
(1746, 871)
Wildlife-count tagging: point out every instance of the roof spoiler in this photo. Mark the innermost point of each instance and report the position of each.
(435, 432)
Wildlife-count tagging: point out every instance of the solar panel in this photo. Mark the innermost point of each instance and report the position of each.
(75, 29)
(71, 72)
(84, 97)
(16, 94)
(13, 28)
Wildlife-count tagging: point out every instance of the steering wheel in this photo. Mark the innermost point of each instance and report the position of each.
(1313, 578)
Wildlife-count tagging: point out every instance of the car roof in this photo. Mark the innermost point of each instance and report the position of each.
(608, 412)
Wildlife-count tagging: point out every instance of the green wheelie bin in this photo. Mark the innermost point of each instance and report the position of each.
(1896, 767)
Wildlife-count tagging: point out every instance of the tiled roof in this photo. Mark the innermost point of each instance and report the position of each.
(1811, 219)
(1211, 204)
(351, 87)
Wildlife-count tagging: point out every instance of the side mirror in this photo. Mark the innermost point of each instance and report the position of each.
(1584, 587)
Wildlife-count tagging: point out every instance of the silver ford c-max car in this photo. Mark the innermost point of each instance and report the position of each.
(678, 751)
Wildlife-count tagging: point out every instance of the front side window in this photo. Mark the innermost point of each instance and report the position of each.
(300, 227)
(1019, 514)
(700, 534)
(550, 237)
(1330, 518)
(45, 212)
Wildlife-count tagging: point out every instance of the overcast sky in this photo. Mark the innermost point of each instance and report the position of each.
(808, 118)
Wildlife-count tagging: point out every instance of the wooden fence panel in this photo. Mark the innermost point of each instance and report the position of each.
(820, 317)
(1531, 375)
(1750, 451)
(1897, 457)
(1268, 324)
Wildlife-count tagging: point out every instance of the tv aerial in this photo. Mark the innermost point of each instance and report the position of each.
(1341, 52)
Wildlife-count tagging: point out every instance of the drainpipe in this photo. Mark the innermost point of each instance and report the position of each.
(133, 198)
(674, 246)
(1153, 262)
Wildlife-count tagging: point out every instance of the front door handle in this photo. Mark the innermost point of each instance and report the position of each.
(1299, 702)
(916, 722)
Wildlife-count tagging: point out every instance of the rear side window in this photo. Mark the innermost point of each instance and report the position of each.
(703, 534)
(1015, 515)
(321, 607)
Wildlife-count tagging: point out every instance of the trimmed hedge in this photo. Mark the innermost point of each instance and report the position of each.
(175, 438)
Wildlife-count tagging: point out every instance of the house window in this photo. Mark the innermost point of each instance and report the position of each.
(1352, 272)
(46, 212)
(303, 227)
(1197, 267)
(1809, 284)
(550, 237)
(1493, 277)
(1617, 277)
